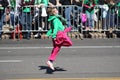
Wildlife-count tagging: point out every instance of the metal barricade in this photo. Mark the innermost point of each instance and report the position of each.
(35, 23)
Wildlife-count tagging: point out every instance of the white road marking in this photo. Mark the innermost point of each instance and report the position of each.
(86, 47)
(10, 61)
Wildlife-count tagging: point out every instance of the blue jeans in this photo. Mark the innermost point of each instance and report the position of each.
(1, 22)
(111, 20)
(68, 11)
(12, 18)
(104, 18)
(90, 18)
(26, 20)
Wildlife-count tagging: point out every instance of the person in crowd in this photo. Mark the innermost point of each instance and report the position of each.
(14, 7)
(3, 5)
(89, 10)
(111, 14)
(11, 8)
(68, 10)
(77, 9)
(103, 13)
(58, 34)
(17, 7)
(40, 16)
(118, 14)
(26, 18)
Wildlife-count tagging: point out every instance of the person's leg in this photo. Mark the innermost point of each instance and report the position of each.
(23, 21)
(12, 20)
(1, 22)
(28, 24)
(118, 22)
(88, 20)
(53, 55)
(67, 41)
(67, 15)
(55, 50)
(112, 21)
(92, 21)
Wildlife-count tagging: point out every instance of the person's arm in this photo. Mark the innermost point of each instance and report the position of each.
(58, 3)
(50, 4)
(87, 6)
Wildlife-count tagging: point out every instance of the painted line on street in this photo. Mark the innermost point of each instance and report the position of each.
(10, 61)
(70, 79)
(90, 47)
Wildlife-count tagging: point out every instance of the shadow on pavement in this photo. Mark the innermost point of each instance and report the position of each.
(50, 71)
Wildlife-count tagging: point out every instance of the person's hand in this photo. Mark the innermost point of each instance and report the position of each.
(51, 5)
(58, 4)
(93, 6)
(41, 5)
(54, 39)
(77, 0)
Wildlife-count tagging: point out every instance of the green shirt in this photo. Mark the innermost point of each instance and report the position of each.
(112, 8)
(13, 3)
(56, 25)
(89, 10)
(96, 2)
(41, 2)
(26, 9)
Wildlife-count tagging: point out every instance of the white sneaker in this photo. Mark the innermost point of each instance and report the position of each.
(50, 64)
(40, 29)
(36, 35)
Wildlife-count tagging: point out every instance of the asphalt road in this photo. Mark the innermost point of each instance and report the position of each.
(88, 58)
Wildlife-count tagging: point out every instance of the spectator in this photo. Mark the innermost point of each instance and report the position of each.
(40, 18)
(68, 10)
(26, 18)
(17, 7)
(103, 4)
(3, 5)
(12, 4)
(77, 9)
(118, 14)
(89, 10)
(111, 14)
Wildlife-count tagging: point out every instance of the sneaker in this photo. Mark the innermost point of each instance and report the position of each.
(50, 64)
(36, 35)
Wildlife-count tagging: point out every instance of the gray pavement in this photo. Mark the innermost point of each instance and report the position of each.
(86, 58)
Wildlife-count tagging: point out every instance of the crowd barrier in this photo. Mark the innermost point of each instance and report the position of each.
(19, 24)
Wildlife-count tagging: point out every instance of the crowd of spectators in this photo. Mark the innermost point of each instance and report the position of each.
(28, 13)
